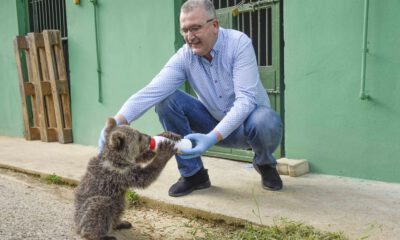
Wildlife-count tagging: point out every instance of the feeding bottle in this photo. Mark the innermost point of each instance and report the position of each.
(179, 145)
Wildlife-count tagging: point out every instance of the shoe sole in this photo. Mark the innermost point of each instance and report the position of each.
(198, 187)
(271, 189)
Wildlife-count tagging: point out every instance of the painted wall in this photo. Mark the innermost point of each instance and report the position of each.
(136, 38)
(134, 45)
(326, 122)
(11, 123)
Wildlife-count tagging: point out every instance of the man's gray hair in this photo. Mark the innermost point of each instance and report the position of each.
(207, 5)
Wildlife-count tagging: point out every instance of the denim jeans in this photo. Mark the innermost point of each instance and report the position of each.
(183, 114)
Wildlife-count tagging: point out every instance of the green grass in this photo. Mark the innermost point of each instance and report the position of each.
(281, 230)
(132, 197)
(286, 230)
(53, 179)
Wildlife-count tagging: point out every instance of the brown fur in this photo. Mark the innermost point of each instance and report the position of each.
(99, 198)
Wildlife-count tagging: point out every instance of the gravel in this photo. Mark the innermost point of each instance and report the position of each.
(32, 212)
(32, 209)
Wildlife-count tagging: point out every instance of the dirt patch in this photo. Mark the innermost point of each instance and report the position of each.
(148, 222)
(156, 224)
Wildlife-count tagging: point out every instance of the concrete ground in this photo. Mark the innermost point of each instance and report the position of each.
(356, 207)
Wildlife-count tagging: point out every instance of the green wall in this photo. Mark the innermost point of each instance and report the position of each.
(136, 38)
(326, 122)
(11, 123)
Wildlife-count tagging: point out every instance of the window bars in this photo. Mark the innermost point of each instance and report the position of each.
(255, 23)
(47, 14)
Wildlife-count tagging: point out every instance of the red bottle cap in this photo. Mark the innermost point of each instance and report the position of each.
(152, 144)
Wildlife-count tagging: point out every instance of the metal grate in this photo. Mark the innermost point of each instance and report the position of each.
(51, 15)
(47, 14)
(257, 25)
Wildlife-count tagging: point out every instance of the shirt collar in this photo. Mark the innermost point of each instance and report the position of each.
(217, 46)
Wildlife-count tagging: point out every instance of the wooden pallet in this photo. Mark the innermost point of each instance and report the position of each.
(47, 77)
(59, 84)
(27, 89)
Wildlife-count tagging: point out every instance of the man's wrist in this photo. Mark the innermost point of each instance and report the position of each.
(217, 135)
(120, 120)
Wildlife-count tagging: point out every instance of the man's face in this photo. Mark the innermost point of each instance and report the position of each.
(199, 32)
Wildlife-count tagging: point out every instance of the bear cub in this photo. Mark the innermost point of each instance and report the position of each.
(125, 161)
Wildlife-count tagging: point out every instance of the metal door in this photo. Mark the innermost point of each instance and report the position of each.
(261, 21)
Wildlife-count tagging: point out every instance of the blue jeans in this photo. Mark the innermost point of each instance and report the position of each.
(183, 114)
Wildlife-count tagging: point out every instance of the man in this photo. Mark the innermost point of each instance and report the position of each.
(232, 108)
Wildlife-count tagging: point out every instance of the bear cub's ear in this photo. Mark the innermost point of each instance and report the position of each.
(117, 140)
(110, 123)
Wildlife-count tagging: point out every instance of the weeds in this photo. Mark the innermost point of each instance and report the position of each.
(53, 179)
(286, 229)
(371, 228)
(132, 197)
(258, 213)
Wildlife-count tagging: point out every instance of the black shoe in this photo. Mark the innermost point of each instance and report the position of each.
(270, 178)
(186, 185)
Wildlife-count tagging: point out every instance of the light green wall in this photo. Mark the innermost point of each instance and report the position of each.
(326, 122)
(136, 40)
(11, 123)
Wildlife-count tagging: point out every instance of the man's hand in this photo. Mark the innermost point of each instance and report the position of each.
(102, 140)
(202, 143)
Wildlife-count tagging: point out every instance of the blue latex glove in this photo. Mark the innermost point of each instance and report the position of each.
(202, 143)
(102, 140)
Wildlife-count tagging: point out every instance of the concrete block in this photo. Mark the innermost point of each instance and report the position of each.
(283, 168)
(292, 167)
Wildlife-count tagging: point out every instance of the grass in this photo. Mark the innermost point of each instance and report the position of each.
(286, 230)
(132, 197)
(53, 179)
(281, 230)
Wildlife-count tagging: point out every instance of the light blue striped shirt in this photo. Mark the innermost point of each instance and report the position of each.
(229, 86)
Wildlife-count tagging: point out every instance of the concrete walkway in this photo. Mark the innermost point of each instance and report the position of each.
(356, 207)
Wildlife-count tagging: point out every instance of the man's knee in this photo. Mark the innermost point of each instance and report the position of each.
(161, 106)
(167, 104)
(265, 121)
(264, 116)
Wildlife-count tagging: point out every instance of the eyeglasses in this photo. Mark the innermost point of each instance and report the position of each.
(195, 29)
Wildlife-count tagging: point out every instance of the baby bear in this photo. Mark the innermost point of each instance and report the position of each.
(125, 162)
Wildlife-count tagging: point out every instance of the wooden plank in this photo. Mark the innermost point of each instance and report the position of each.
(48, 98)
(35, 43)
(58, 80)
(63, 81)
(29, 89)
(46, 88)
(52, 134)
(67, 135)
(26, 90)
(32, 99)
(35, 133)
(63, 87)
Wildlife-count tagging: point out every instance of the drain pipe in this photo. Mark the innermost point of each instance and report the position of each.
(363, 94)
(99, 82)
